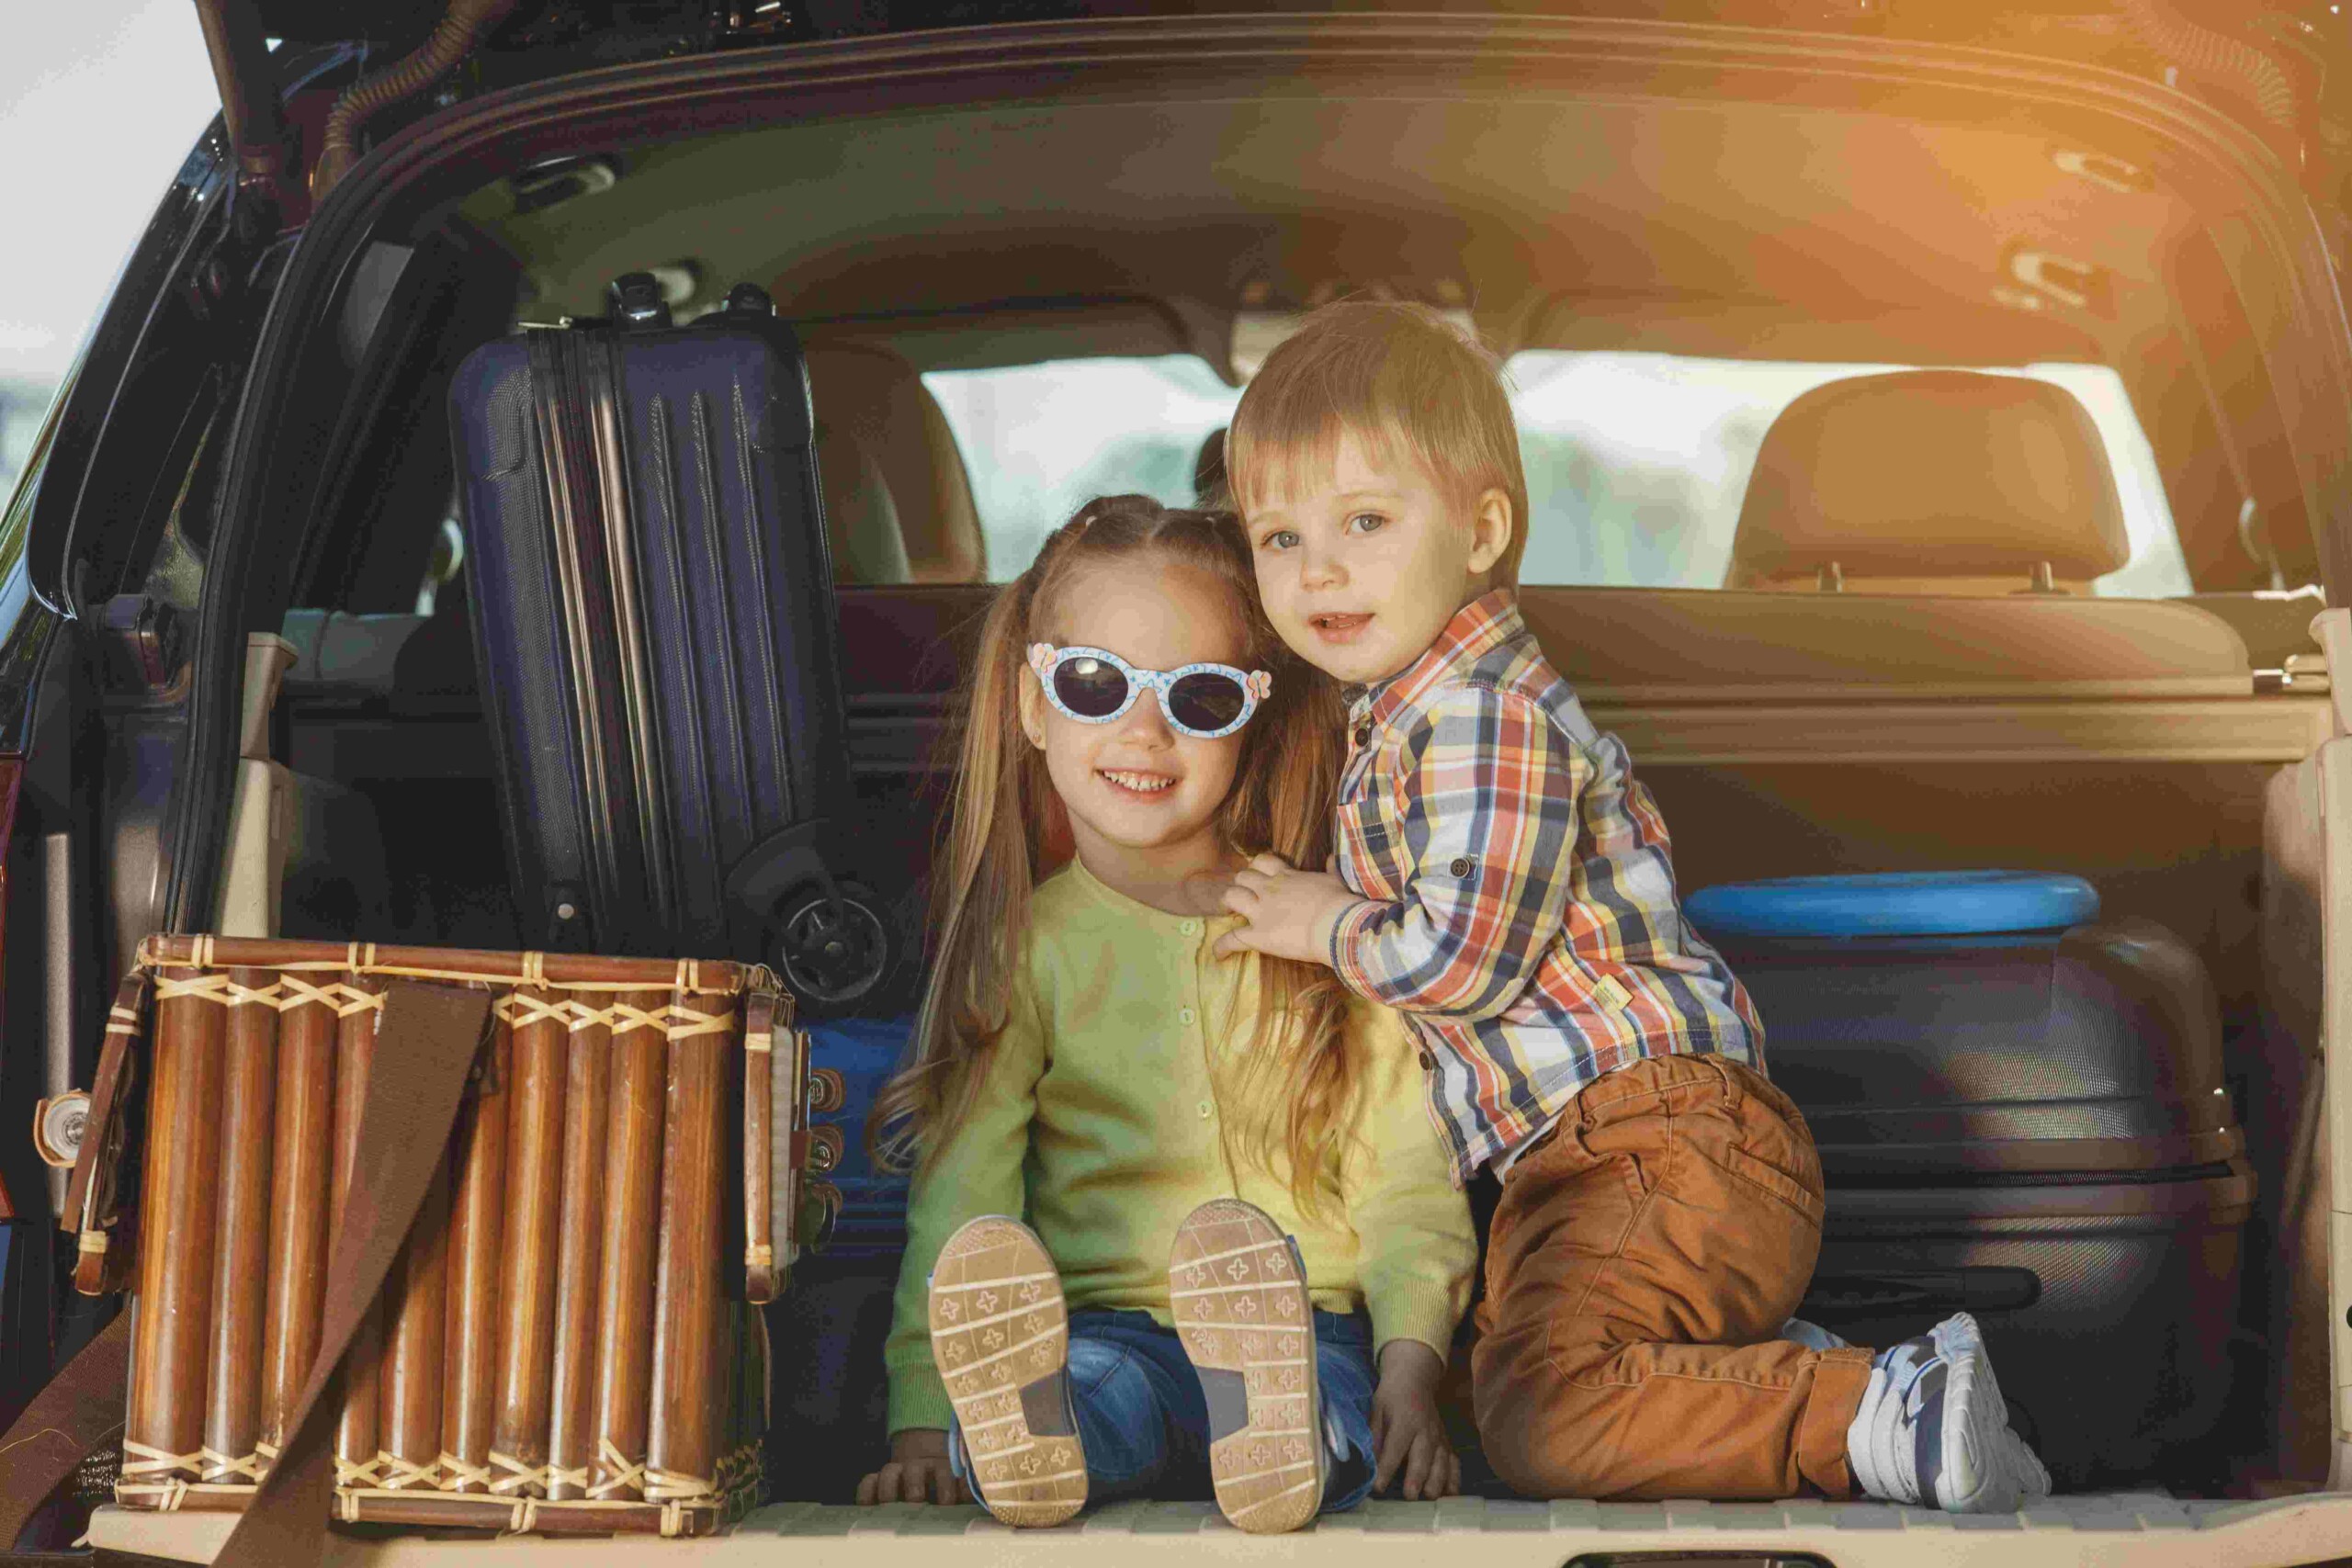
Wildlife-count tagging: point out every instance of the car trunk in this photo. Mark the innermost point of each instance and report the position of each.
(1009, 194)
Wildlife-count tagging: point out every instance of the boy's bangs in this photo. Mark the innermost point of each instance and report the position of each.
(1272, 459)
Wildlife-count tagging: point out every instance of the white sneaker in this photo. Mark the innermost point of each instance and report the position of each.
(1812, 1336)
(1934, 1431)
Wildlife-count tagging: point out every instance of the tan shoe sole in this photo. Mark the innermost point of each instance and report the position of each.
(999, 1330)
(1243, 1313)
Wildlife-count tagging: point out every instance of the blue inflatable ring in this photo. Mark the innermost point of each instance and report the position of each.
(1894, 904)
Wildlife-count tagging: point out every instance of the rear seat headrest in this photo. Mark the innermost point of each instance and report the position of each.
(876, 400)
(1931, 473)
(861, 525)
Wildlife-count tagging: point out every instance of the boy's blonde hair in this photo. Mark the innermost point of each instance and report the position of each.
(1389, 374)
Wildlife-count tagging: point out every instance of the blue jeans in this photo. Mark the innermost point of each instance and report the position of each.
(1145, 1425)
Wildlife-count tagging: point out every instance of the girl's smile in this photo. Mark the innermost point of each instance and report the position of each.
(1143, 796)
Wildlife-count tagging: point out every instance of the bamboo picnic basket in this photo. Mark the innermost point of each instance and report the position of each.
(565, 1340)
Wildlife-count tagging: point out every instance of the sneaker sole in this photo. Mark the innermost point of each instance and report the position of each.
(1242, 1312)
(999, 1336)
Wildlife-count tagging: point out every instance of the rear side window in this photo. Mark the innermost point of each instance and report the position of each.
(1040, 440)
(1636, 463)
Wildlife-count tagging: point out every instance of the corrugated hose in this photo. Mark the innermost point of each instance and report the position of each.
(454, 37)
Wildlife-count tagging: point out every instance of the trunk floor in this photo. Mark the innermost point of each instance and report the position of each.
(2140, 1529)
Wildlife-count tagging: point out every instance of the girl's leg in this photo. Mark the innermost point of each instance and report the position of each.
(1347, 1375)
(1133, 1392)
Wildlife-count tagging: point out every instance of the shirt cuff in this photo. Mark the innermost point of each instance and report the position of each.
(1347, 939)
(1419, 1310)
(918, 1399)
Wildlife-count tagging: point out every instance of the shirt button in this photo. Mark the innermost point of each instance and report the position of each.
(1207, 1110)
(1363, 734)
(1461, 866)
(1191, 928)
(1184, 1014)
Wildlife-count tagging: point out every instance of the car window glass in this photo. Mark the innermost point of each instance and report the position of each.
(1038, 440)
(1636, 463)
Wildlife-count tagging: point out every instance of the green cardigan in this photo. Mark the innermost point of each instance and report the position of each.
(1100, 1123)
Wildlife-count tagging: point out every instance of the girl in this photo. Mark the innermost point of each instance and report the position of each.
(1243, 1258)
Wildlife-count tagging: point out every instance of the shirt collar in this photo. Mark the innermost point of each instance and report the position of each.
(1478, 629)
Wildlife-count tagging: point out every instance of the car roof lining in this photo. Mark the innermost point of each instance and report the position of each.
(1534, 195)
(1013, 233)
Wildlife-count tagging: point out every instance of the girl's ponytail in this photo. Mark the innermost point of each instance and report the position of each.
(983, 873)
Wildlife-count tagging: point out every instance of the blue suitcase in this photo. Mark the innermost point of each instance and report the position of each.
(653, 607)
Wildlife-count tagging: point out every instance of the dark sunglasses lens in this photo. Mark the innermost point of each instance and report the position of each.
(1206, 702)
(1090, 687)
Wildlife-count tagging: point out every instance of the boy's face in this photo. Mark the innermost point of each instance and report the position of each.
(1361, 571)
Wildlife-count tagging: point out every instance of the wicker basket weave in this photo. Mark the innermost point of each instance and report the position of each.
(565, 1340)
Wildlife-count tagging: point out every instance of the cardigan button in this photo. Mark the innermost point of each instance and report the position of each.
(1428, 1063)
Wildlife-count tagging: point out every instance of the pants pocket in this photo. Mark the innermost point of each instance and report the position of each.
(1773, 1181)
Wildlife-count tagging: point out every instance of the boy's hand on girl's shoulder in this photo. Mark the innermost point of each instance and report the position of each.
(917, 1472)
(1412, 1455)
(1291, 913)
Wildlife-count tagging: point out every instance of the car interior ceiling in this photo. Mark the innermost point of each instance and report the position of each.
(1955, 721)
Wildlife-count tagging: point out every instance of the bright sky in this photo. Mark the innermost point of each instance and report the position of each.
(100, 101)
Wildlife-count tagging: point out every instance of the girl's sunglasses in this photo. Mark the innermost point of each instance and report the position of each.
(1094, 686)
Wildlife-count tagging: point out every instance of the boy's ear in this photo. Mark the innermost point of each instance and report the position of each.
(1490, 528)
(1033, 707)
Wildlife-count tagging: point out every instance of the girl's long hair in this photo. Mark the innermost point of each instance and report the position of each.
(1297, 1084)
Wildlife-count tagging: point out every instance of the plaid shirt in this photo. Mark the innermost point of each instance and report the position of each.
(1520, 894)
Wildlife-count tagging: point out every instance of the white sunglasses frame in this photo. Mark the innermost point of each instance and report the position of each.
(1045, 659)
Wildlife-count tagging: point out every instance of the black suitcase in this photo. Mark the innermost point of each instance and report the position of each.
(2030, 1127)
(653, 607)
(2094, 1049)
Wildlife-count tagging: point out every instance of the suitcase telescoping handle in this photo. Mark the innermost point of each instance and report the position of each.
(636, 302)
(636, 299)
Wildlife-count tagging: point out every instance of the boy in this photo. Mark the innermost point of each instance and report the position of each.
(1504, 881)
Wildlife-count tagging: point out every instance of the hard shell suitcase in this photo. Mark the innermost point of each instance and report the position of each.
(2021, 1115)
(2110, 1304)
(2094, 1049)
(652, 604)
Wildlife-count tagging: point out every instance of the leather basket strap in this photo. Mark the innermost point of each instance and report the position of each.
(424, 1048)
(79, 1413)
(101, 1265)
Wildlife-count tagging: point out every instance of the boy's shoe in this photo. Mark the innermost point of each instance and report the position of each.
(999, 1336)
(1812, 1336)
(1238, 1290)
(1934, 1431)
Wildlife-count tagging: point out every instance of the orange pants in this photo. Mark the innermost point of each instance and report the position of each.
(1643, 1255)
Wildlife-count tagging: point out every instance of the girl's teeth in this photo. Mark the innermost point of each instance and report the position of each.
(1150, 783)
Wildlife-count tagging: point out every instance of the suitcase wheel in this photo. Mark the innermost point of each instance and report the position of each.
(833, 950)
